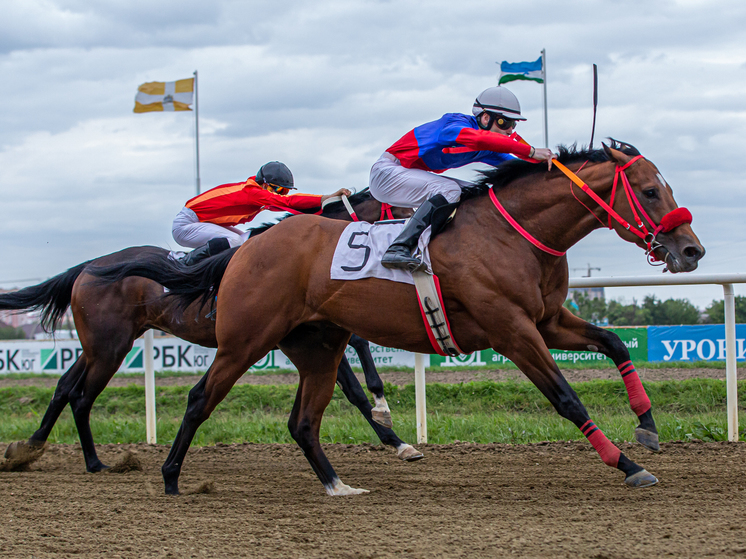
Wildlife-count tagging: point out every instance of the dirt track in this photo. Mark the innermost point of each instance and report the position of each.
(463, 500)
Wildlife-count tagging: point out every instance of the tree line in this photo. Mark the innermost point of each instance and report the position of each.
(652, 311)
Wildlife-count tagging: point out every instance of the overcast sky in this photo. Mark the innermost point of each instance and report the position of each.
(327, 86)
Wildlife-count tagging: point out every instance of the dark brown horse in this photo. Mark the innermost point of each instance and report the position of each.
(109, 318)
(500, 292)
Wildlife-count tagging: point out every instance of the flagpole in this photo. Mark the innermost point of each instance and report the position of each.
(544, 76)
(196, 130)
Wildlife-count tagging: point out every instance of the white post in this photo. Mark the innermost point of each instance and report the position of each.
(150, 427)
(730, 361)
(544, 75)
(196, 130)
(420, 400)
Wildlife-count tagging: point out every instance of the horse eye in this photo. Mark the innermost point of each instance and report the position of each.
(650, 193)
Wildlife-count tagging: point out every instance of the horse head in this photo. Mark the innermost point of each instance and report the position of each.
(643, 198)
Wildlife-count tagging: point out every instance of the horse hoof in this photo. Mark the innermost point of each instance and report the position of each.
(648, 439)
(100, 467)
(382, 418)
(19, 455)
(643, 478)
(340, 489)
(409, 453)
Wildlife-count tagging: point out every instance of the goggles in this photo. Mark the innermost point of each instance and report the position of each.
(504, 123)
(277, 189)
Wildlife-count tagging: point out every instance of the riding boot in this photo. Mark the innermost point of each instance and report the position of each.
(399, 254)
(211, 248)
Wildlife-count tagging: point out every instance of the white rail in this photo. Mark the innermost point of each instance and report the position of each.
(726, 280)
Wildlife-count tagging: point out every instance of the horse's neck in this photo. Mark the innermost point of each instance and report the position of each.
(547, 209)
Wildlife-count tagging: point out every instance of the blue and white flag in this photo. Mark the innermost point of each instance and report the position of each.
(511, 71)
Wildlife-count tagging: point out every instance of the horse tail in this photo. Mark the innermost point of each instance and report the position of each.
(185, 284)
(51, 297)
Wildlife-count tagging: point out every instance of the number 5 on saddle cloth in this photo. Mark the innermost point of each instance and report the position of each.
(358, 256)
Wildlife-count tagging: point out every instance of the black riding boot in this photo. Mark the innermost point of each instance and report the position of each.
(213, 247)
(399, 254)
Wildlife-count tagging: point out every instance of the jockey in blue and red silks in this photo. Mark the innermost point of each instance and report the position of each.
(206, 223)
(408, 173)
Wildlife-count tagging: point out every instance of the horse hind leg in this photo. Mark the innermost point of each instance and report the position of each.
(23, 453)
(90, 385)
(231, 361)
(316, 350)
(352, 390)
(381, 412)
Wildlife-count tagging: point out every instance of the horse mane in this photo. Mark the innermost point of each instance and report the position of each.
(333, 207)
(505, 173)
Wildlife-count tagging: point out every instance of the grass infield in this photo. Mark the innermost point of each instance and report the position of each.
(480, 412)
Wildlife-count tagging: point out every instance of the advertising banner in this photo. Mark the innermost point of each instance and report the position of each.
(636, 340)
(693, 343)
(169, 354)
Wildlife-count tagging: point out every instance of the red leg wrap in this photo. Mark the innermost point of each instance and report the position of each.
(638, 399)
(607, 451)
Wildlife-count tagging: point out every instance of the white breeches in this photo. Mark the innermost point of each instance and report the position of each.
(409, 188)
(190, 232)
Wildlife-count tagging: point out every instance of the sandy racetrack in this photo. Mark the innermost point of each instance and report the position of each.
(462, 500)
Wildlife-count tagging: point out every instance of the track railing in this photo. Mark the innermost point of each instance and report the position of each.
(726, 280)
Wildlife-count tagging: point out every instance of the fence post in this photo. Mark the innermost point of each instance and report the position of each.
(420, 400)
(731, 377)
(150, 425)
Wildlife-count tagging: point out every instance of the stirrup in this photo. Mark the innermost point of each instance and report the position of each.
(401, 262)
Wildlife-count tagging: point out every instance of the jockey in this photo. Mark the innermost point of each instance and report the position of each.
(207, 221)
(408, 173)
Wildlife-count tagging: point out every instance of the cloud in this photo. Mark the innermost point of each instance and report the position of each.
(326, 87)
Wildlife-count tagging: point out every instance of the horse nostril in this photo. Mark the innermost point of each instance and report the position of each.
(694, 253)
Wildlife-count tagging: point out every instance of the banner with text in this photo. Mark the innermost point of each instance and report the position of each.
(693, 343)
(169, 354)
(636, 340)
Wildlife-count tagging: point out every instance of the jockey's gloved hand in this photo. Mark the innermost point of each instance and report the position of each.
(543, 154)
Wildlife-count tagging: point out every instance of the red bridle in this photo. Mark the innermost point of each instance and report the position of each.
(670, 221)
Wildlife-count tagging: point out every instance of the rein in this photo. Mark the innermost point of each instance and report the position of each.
(386, 212)
(670, 221)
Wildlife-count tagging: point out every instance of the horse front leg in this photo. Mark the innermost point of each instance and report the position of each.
(528, 351)
(567, 331)
(381, 412)
(351, 388)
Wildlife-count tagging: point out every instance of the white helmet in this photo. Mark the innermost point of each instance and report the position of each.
(498, 101)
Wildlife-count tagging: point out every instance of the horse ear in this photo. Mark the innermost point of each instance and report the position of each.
(615, 155)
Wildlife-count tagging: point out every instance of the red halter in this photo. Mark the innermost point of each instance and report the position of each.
(670, 221)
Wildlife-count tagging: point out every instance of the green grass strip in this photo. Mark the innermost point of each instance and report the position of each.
(481, 412)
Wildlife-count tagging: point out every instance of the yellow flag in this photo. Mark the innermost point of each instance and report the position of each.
(164, 96)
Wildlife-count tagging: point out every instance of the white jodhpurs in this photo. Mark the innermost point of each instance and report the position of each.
(409, 188)
(190, 232)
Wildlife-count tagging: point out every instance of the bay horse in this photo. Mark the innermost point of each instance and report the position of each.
(109, 318)
(502, 286)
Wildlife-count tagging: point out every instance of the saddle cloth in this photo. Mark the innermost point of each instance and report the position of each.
(358, 256)
(361, 247)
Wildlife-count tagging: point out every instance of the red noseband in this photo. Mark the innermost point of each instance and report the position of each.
(673, 219)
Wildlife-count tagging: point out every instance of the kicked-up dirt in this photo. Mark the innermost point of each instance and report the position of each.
(461, 500)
